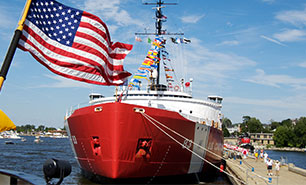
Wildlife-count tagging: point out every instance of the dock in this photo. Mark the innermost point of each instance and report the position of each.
(248, 171)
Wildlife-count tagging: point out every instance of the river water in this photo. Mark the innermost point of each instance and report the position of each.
(29, 157)
(297, 158)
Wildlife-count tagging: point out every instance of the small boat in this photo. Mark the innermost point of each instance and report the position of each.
(37, 140)
(9, 142)
(23, 139)
(10, 135)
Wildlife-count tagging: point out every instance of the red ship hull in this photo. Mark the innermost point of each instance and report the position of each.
(107, 142)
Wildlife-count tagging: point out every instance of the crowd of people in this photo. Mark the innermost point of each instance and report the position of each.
(242, 153)
(264, 157)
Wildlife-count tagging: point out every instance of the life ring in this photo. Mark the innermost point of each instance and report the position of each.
(176, 88)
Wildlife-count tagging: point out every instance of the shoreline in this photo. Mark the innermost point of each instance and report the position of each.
(287, 149)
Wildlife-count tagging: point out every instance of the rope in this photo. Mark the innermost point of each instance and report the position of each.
(201, 146)
(147, 117)
(185, 137)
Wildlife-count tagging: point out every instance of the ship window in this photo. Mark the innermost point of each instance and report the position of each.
(180, 110)
(191, 112)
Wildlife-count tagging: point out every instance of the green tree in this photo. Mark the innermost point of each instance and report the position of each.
(29, 127)
(300, 132)
(284, 137)
(251, 124)
(274, 124)
(225, 131)
(245, 119)
(235, 134)
(41, 128)
(287, 123)
(254, 125)
(226, 122)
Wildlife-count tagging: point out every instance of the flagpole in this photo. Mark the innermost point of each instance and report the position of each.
(12, 48)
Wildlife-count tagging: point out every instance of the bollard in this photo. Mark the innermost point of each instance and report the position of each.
(252, 169)
(270, 180)
(240, 162)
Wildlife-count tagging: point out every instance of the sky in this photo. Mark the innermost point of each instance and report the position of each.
(252, 53)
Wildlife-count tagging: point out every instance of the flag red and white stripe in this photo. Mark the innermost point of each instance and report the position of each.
(88, 56)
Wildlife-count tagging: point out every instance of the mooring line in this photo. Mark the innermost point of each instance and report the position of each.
(190, 149)
(144, 114)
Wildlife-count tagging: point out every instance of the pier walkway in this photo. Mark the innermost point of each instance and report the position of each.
(242, 169)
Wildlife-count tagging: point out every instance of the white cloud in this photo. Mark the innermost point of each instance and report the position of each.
(277, 103)
(228, 43)
(294, 17)
(192, 18)
(276, 80)
(266, 109)
(303, 64)
(229, 24)
(291, 35)
(111, 10)
(272, 40)
(214, 65)
(61, 82)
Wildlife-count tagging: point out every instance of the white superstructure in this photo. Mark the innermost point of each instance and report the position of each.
(201, 111)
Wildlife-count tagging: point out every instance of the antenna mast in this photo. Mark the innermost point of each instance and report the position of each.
(158, 25)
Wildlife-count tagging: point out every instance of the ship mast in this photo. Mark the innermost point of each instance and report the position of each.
(158, 26)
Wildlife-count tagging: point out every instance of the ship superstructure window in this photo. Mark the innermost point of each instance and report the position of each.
(216, 99)
(94, 96)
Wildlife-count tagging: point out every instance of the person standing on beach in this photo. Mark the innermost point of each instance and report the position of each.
(261, 155)
(269, 166)
(266, 157)
(256, 155)
(277, 167)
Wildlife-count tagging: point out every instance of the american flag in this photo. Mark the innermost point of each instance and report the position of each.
(73, 43)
